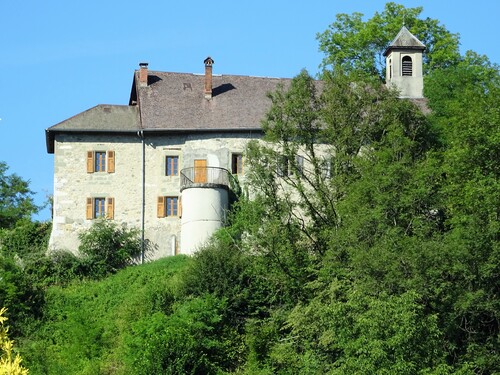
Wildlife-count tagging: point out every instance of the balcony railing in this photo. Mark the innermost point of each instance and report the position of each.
(205, 176)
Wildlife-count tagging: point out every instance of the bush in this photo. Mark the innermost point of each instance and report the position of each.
(189, 341)
(107, 247)
(10, 364)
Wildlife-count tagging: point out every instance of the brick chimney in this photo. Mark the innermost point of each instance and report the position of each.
(208, 77)
(143, 74)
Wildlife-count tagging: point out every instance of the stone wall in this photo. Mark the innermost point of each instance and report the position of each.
(73, 184)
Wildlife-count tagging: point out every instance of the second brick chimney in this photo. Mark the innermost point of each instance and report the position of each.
(143, 74)
(208, 77)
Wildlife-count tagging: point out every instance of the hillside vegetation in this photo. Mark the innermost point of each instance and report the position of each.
(378, 254)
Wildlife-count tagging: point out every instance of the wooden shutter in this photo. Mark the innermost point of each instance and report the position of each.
(110, 209)
(90, 162)
(407, 65)
(161, 207)
(90, 214)
(180, 206)
(200, 171)
(111, 162)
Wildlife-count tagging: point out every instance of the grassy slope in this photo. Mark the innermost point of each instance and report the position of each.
(85, 323)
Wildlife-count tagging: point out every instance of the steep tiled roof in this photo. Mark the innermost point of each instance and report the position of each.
(101, 118)
(176, 101)
(405, 39)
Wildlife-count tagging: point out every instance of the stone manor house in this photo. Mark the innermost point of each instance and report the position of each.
(164, 162)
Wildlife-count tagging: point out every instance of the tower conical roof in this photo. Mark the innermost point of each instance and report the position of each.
(406, 40)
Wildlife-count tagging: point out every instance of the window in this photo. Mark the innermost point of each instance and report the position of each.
(407, 66)
(168, 207)
(100, 208)
(299, 160)
(282, 166)
(100, 161)
(172, 166)
(172, 205)
(327, 168)
(237, 164)
(285, 167)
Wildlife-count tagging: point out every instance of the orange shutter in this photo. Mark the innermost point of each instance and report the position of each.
(180, 206)
(110, 210)
(89, 214)
(90, 162)
(200, 171)
(111, 162)
(161, 207)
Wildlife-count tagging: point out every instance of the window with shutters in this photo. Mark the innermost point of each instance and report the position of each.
(407, 66)
(299, 161)
(100, 208)
(326, 167)
(168, 207)
(100, 161)
(172, 166)
(237, 163)
(282, 166)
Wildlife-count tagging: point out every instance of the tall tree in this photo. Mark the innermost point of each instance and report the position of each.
(16, 199)
(466, 107)
(355, 44)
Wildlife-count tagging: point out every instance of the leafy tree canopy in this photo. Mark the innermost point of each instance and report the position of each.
(355, 44)
(16, 199)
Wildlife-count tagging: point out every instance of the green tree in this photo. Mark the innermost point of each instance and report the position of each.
(16, 199)
(107, 247)
(464, 99)
(354, 44)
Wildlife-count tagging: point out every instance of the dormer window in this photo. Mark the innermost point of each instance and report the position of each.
(407, 66)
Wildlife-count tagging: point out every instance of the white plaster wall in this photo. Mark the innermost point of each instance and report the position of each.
(408, 86)
(203, 212)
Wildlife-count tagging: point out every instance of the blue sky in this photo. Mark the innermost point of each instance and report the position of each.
(60, 58)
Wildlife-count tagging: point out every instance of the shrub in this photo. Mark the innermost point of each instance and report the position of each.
(107, 247)
(10, 364)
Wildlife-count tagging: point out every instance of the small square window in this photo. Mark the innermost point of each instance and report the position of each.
(172, 166)
(237, 164)
(100, 161)
(98, 208)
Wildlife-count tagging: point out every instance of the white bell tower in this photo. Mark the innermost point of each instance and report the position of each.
(403, 58)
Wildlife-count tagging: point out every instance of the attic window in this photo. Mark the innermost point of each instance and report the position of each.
(187, 86)
(407, 66)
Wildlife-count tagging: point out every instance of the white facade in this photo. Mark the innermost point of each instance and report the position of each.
(203, 212)
(137, 183)
(409, 83)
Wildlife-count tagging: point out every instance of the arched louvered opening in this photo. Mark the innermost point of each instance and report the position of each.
(407, 66)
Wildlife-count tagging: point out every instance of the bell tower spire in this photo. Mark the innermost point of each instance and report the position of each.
(403, 58)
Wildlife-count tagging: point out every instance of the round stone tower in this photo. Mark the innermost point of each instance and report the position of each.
(205, 201)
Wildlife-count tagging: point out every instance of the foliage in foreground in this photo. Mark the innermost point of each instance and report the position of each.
(10, 363)
(377, 254)
(16, 199)
(90, 327)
